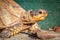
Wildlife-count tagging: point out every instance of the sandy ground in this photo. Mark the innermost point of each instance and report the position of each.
(22, 36)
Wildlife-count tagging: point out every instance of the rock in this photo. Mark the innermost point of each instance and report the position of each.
(20, 36)
(45, 34)
(56, 29)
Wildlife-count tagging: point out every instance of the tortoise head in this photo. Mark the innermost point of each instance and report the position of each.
(38, 15)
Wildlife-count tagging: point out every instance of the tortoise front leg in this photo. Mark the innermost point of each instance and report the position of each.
(34, 29)
(11, 31)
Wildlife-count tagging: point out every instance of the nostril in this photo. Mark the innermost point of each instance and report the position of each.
(40, 12)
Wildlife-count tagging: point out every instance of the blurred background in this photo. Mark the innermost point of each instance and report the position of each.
(51, 6)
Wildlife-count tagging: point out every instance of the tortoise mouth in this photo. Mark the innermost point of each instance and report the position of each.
(39, 18)
(43, 17)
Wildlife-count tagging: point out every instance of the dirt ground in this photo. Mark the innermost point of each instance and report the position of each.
(22, 36)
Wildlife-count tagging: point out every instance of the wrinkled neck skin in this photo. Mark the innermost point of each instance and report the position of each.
(27, 18)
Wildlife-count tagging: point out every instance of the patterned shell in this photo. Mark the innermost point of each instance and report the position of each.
(10, 13)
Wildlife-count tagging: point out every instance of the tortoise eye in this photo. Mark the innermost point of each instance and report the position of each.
(31, 11)
(40, 12)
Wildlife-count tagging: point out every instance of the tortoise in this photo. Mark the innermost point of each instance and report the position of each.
(14, 19)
